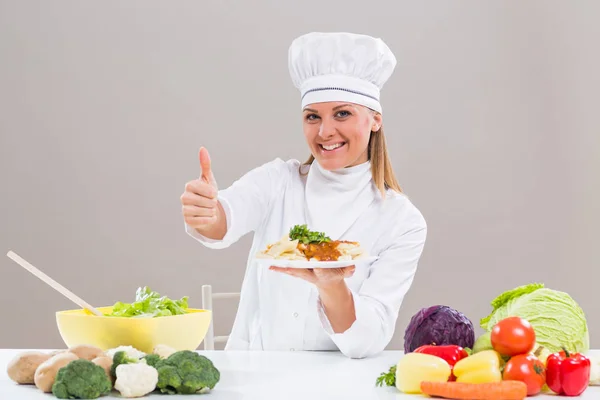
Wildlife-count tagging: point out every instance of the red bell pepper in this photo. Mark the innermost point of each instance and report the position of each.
(451, 353)
(567, 373)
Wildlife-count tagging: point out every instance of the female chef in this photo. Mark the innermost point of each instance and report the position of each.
(346, 189)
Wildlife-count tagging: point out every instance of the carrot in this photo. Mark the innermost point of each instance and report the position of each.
(503, 390)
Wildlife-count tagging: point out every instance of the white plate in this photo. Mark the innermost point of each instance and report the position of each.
(312, 264)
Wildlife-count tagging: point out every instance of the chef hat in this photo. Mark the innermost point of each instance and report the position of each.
(340, 67)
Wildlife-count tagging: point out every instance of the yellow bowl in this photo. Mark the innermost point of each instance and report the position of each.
(181, 332)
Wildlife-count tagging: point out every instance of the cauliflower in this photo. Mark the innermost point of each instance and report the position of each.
(131, 351)
(163, 350)
(594, 370)
(160, 352)
(136, 380)
(121, 357)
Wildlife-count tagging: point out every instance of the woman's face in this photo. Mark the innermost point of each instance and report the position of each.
(338, 133)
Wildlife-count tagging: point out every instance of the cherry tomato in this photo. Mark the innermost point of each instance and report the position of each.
(512, 336)
(526, 368)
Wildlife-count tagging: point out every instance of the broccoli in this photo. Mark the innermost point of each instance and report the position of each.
(121, 357)
(81, 379)
(152, 359)
(186, 372)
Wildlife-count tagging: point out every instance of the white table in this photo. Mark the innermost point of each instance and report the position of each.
(276, 375)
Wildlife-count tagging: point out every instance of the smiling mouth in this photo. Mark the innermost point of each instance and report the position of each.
(332, 147)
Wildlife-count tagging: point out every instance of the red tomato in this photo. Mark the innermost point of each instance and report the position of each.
(512, 336)
(526, 368)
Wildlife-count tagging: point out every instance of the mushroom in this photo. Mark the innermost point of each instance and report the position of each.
(87, 352)
(45, 374)
(105, 362)
(21, 368)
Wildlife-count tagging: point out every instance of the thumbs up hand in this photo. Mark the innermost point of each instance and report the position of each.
(205, 171)
(199, 202)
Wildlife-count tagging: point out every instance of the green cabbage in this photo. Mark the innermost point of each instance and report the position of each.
(557, 319)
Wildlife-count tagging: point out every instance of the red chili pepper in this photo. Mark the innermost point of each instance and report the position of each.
(567, 373)
(451, 353)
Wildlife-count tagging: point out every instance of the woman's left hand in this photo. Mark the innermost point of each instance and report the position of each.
(321, 277)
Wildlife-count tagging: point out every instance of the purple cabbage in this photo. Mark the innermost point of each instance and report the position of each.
(438, 325)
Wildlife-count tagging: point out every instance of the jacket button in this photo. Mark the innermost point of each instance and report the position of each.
(295, 315)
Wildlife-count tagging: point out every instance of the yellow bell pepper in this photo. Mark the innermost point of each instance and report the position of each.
(413, 368)
(482, 367)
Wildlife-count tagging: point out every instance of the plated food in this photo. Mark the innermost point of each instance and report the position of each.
(302, 244)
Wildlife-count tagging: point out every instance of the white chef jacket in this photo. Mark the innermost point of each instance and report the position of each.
(281, 312)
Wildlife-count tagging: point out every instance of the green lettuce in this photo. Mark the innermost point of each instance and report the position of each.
(558, 321)
(149, 304)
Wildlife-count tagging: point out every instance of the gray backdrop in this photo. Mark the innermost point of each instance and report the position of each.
(491, 117)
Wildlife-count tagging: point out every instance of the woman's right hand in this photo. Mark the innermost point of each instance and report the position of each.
(200, 207)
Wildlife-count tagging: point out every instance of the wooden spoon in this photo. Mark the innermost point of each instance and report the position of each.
(51, 282)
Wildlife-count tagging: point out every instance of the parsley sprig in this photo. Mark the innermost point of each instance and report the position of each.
(306, 236)
(387, 378)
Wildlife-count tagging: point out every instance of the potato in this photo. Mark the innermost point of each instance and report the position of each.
(21, 368)
(87, 352)
(45, 374)
(105, 362)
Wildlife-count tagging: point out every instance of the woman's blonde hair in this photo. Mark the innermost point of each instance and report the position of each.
(381, 166)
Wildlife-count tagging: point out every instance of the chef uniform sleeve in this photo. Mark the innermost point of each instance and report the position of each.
(378, 301)
(246, 202)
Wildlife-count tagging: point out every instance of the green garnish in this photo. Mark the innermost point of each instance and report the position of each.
(149, 303)
(387, 378)
(306, 236)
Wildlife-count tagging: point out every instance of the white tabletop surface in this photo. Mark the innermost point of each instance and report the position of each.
(276, 375)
